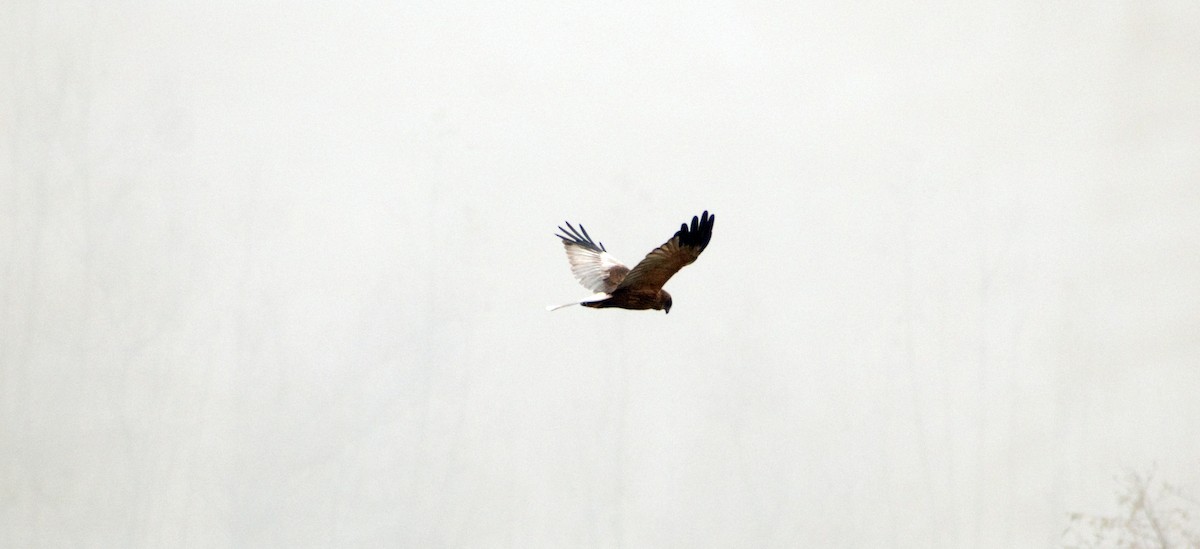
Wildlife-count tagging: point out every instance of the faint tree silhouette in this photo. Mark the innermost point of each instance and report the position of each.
(1154, 515)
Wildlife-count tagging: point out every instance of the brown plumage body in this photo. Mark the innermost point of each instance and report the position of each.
(635, 299)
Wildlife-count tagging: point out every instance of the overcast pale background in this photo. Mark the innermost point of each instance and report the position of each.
(273, 274)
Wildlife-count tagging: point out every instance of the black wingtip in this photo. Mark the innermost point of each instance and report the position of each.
(699, 233)
(579, 237)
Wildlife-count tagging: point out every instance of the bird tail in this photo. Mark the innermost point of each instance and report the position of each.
(595, 297)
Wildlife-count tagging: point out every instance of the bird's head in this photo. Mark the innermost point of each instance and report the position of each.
(666, 302)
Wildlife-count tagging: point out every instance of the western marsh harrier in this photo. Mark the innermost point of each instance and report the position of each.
(619, 286)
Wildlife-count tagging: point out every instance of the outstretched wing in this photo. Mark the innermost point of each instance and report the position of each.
(666, 260)
(590, 262)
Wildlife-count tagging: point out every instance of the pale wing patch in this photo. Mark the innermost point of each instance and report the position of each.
(596, 271)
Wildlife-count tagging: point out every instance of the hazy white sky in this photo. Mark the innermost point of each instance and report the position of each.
(274, 274)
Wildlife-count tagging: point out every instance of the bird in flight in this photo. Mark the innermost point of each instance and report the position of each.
(616, 285)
